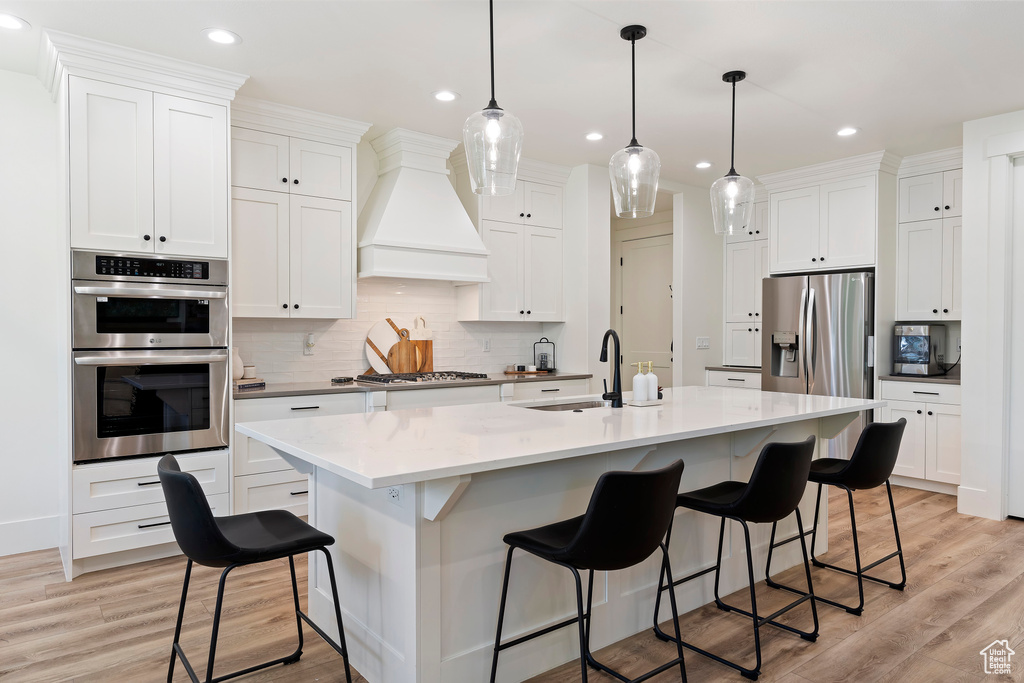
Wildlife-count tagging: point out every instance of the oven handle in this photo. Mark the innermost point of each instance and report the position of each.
(161, 293)
(151, 359)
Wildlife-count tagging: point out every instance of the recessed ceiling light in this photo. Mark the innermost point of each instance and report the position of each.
(846, 131)
(222, 36)
(703, 164)
(594, 136)
(12, 22)
(445, 95)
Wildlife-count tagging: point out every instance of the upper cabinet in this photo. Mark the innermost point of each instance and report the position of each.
(758, 229)
(932, 195)
(148, 171)
(266, 161)
(531, 203)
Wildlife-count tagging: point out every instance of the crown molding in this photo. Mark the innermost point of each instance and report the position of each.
(63, 53)
(272, 117)
(932, 162)
(875, 162)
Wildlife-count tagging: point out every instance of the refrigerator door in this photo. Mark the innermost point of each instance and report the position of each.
(783, 306)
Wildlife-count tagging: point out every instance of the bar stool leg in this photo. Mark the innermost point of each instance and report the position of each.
(298, 620)
(899, 546)
(181, 616)
(807, 573)
(661, 584)
(718, 566)
(675, 612)
(337, 615)
(216, 621)
(584, 630)
(859, 609)
(501, 612)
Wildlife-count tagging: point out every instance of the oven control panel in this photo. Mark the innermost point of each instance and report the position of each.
(143, 267)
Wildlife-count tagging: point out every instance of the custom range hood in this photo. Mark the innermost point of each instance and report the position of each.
(413, 224)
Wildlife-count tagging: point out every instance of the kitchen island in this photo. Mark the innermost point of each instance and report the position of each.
(419, 500)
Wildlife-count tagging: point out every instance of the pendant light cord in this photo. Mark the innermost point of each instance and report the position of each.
(732, 149)
(493, 104)
(632, 43)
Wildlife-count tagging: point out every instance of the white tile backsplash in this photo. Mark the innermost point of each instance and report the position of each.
(275, 346)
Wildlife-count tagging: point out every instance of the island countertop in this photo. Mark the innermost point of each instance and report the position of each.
(391, 448)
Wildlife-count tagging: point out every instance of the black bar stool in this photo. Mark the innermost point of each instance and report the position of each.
(773, 493)
(870, 466)
(235, 541)
(625, 523)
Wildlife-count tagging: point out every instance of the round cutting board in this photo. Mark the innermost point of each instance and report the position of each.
(384, 337)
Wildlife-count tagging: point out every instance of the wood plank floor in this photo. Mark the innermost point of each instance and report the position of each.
(965, 589)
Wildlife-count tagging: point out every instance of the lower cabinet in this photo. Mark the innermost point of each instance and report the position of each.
(284, 490)
(930, 449)
(524, 391)
(741, 380)
(743, 344)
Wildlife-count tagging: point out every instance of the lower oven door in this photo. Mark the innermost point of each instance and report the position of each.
(129, 403)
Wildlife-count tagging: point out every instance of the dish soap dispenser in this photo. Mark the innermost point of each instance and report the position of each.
(652, 382)
(639, 383)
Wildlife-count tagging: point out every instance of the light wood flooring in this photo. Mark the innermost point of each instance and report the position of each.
(965, 589)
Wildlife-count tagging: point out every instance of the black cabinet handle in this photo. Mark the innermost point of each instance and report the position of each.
(749, 232)
(521, 312)
(146, 237)
(529, 312)
(947, 207)
(927, 393)
(822, 259)
(757, 329)
(284, 305)
(522, 215)
(936, 208)
(750, 315)
(930, 412)
(149, 483)
(757, 232)
(757, 314)
(919, 412)
(935, 310)
(284, 180)
(296, 306)
(814, 260)
(733, 379)
(544, 391)
(148, 526)
(305, 407)
(163, 238)
(296, 181)
(298, 493)
(529, 215)
(945, 310)
(750, 329)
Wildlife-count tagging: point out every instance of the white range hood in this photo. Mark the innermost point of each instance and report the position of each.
(413, 225)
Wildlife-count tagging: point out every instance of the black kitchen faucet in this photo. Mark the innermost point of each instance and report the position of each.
(615, 395)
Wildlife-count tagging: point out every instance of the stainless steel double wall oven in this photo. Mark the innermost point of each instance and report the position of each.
(149, 338)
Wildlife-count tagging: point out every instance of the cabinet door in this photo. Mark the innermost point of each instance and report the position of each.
(911, 460)
(794, 217)
(952, 268)
(758, 228)
(847, 228)
(259, 160)
(505, 208)
(943, 462)
(542, 273)
(952, 193)
(742, 285)
(322, 258)
(503, 295)
(542, 204)
(190, 177)
(742, 344)
(111, 166)
(259, 254)
(919, 282)
(920, 198)
(320, 170)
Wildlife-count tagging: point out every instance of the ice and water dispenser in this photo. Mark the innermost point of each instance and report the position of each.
(785, 351)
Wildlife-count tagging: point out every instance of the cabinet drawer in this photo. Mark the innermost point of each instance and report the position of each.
(272, 491)
(284, 407)
(111, 531)
(922, 392)
(106, 486)
(743, 380)
(553, 389)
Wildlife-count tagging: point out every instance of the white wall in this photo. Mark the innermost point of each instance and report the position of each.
(699, 282)
(35, 250)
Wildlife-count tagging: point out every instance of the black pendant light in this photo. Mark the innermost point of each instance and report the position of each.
(732, 196)
(493, 139)
(634, 170)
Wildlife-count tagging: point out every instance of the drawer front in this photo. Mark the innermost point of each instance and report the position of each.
(554, 389)
(284, 407)
(272, 491)
(921, 392)
(743, 380)
(111, 531)
(106, 486)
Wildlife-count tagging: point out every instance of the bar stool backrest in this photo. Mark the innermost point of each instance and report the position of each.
(626, 520)
(192, 521)
(875, 455)
(777, 483)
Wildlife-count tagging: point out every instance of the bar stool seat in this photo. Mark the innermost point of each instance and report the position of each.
(548, 541)
(268, 535)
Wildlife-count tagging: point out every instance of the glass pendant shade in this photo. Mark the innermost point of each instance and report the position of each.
(732, 204)
(493, 139)
(634, 174)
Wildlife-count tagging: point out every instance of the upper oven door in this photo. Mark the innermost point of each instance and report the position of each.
(142, 315)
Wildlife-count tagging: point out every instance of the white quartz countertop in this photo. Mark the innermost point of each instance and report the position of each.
(390, 448)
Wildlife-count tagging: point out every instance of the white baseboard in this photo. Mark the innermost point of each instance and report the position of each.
(979, 503)
(923, 484)
(26, 535)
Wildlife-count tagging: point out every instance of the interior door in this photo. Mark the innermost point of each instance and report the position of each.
(647, 307)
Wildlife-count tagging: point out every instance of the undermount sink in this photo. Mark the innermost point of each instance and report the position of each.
(569, 405)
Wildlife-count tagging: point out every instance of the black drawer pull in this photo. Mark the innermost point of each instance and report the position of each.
(735, 379)
(306, 408)
(544, 391)
(298, 493)
(927, 393)
(147, 526)
(149, 483)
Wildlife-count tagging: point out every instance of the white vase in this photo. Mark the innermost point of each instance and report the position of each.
(237, 369)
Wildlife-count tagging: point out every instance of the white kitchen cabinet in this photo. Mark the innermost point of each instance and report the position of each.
(794, 216)
(745, 266)
(930, 448)
(739, 380)
(930, 196)
(525, 391)
(743, 344)
(525, 270)
(148, 171)
(929, 270)
(267, 161)
(758, 228)
(531, 203)
(284, 490)
(293, 256)
(952, 268)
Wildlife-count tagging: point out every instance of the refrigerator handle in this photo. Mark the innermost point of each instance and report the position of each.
(809, 359)
(803, 332)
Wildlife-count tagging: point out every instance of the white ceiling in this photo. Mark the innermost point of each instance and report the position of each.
(906, 73)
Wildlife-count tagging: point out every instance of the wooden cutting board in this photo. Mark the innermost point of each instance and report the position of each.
(426, 350)
(404, 356)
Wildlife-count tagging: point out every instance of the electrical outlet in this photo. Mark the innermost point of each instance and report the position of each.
(487, 345)
(394, 494)
(308, 343)
(703, 342)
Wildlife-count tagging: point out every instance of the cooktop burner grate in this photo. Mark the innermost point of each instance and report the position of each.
(410, 377)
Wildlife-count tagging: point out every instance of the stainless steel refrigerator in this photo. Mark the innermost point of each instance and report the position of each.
(818, 339)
